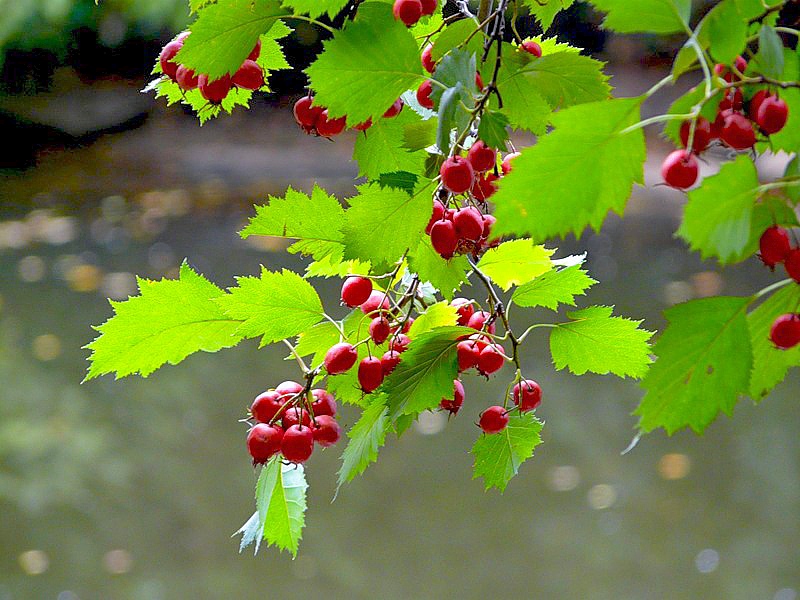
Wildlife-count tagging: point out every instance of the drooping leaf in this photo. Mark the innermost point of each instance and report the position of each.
(704, 360)
(453, 94)
(498, 456)
(645, 16)
(205, 111)
(440, 314)
(420, 135)
(727, 32)
(515, 262)
(447, 276)
(454, 35)
(380, 149)
(165, 323)
(281, 503)
(595, 341)
(770, 52)
(553, 288)
(366, 437)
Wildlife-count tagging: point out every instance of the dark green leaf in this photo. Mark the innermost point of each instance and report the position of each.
(493, 129)
(770, 52)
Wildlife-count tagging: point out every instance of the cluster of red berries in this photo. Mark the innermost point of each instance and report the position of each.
(249, 76)
(411, 11)
(526, 394)
(315, 119)
(284, 426)
(775, 248)
(735, 126)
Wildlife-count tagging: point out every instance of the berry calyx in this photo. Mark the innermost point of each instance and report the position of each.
(702, 134)
(295, 415)
(491, 360)
(482, 157)
(444, 239)
(407, 11)
(494, 419)
(363, 126)
(249, 76)
(532, 47)
(792, 264)
(297, 444)
(424, 94)
(377, 301)
(468, 223)
(186, 78)
(772, 115)
(370, 373)
(785, 331)
(737, 131)
(394, 109)
(400, 343)
(774, 245)
(427, 59)
(255, 52)
(324, 403)
(340, 358)
(266, 406)
(457, 174)
(379, 329)
(327, 127)
(680, 169)
(214, 91)
(452, 406)
(264, 442)
(527, 394)
(356, 291)
(389, 361)
(168, 52)
(326, 431)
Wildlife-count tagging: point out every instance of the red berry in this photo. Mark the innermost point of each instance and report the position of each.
(464, 308)
(488, 223)
(264, 442)
(458, 398)
(340, 358)
(394, 109)
(479, 81)
(428, 7)
(506, 164)
(527, 394)
(377, 301)
(326, 431)
(214, 91)
(324, 403)
(457, 174)
(399, 343)
(363, 126)
(424, 94)
(702, 134)
(680, 169)
(295, 415)
(330, 127)
(356, 291)
(772, 115)
(168, 52)
(379, 329)
(249, 76)
(491, 360)
(482, 157)
(774, 245)
(297, 444)
(370, 373)
(427, 59)
(494, 419)
(484, 186)
(785, 331)
(732, 100)
(481, 341)
(407, 325)
(289, 388)
(469, 224)
(468, 353)
(389, 361)
(755, 103)
(266, 405)
(438, 213)
(255, 52)
(305, 114)
(478, 320)
(186, 78)
(723, 71)
(532, 48)
(443, 238)
(407, 11)
(792, 264)
(738, 132)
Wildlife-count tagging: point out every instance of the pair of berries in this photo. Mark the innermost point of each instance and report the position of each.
(775, 247)
(411, 11)
(248, 76)
(527, 395)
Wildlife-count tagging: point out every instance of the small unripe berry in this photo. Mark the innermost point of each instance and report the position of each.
(424, 94)
(464, 308)
(452, 406)
(297, 444)
(469, 224)
(264, 442)
(482, 157)
(356, 291)
(376, 302)
(214, 91)
(407, 11)
(772, 115)
(491, 360)
(379, 329)
(774, 245)
(295, 415)
(389, 361)
(394, 109)
(255, 52)
(326, 431)
(340, 358)
(324, 403)
(168, 52)
(327, 127)
(532, 47)
(702, 134)
(186, 78)
(444, 239)
(680, 169)
(494, 419)
(785, 331)
(457, 174)
(370, 373)
(477, 321)
(737, 132)
(427, 59)
(792, 264)
(468, 353)
(527, 394)
(249, 76)
(307, 115)
(266, 405)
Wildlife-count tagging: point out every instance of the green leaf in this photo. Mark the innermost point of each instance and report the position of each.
(440, 314)
(454, 35)
(546, 10)
(645, 16)
(380, 149)
(316, 222)
(205, 111)
(704, 359)
(498, 456)
(165, 323)
(595, 341)
(366, 437)
(575, 175)
(727, 32)
(316, 8)
(401, 180)
(770, 364)
(426, 372)
(553, 288)
(366, 66)
(421, 135)
(493, 129)
(456, 73)
(281, 503)
(330, 267)
(225, 33)
(515, 262)
(770, 52)
(717, 219)
(376, 211)
(793, 170)
(274, 306)
(447, 276)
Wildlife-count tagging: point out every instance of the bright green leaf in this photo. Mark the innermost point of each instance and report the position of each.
(645, 16)
(316, 341)
(330, 267)
(553, 288)
(366, 437)
(440, 314)
(515, 262)
(447, 276)
(380, 149)
(316, 8)
(498, 456)
(454, 35)
(281, 503)
(727, 32)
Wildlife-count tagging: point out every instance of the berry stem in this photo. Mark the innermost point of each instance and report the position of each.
(771, 288)
(303, 367)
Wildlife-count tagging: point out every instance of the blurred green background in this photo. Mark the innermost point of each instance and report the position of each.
(132, 489)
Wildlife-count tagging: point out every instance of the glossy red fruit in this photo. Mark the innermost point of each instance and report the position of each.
(464, 308)
(427, 59)
(457, 174)
(755, 103)
(264, 442)
(478, 320)
(305, 114)
(424, 94)
(266, 405)
(488, 224)
(494, 419)
(737, 132)
(326, 431)
(327, 127)
(443, 238)
(399, 343)
(407, 325)
(774, 245)
(370, 373)
(680, 169)
(428, 7)
(377, 302)
(792, 264)
(468, 353)
(394, 109)
(481, 341)
(732, 100)
(407, 11)
(479, 81)
(484, 186)
(532, 47)
(255, 52)
(214, 91)
(469, 224)
(438, 213)
(249, 76)
(452, 406)
(389, 361)
(505, 166)
(289, 388)
(725, 72)
(293, 416)
(772, 115)
(356, 291)
(527, 394)
(491, 359)
(482, 157)
(168, 52)
(785, 331)
(340, 358)
(702, 134)
(379, 329)
(297, 444)
(324, 403)
(186, 78)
